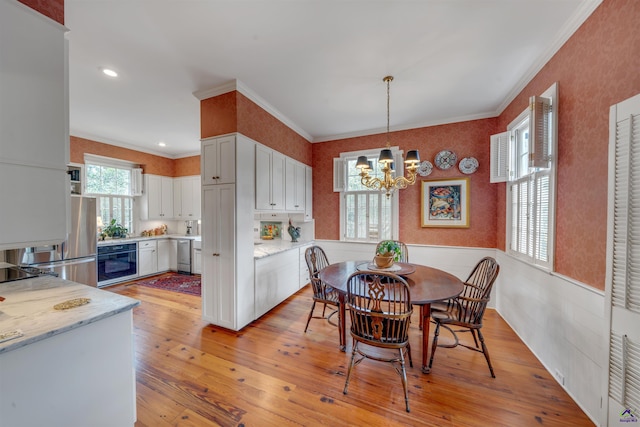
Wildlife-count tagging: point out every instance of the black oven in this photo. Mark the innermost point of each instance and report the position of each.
(117, 263)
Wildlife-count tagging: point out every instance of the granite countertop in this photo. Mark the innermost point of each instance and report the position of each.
(28, 306)
(139, 238)
(265, 248)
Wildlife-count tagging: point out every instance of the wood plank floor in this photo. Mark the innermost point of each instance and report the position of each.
(190, 373)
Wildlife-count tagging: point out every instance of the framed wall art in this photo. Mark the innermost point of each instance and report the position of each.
(445, 203)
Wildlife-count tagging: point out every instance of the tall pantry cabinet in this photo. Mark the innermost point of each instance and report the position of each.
(227, 231)
(34, 128)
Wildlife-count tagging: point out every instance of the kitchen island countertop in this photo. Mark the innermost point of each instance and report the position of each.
(265, 248)
(29, 306)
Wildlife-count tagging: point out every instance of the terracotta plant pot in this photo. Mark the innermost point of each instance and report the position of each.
(383, 261)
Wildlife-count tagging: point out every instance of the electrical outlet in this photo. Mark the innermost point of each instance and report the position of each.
(560, 377)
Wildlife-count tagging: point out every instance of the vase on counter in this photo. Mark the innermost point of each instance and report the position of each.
(294, 232)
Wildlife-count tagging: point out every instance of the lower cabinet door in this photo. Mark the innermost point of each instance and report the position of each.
(277, 278)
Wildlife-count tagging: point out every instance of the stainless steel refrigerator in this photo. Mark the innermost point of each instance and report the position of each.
(75, 258)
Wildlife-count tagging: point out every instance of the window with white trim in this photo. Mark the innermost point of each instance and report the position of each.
(531, 181)
(366, 215)
(113, 183)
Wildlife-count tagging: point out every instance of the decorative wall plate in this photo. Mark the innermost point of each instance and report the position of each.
(445, 159)
(468, 165)
(425, 168)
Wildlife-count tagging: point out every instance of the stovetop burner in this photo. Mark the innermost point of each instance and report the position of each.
(9, 274)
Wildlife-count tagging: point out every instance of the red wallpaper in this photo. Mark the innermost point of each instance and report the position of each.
(54, 9)
(218, 115)
(596, 68)
(187, 166)
(261, 126)
(234, 112)
(466, 139)
(156, 165)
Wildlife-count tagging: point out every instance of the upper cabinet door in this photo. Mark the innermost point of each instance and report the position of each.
(308, 194)
(277, 180)
(34, 123)
(294, 186)
(219, 160)
(33, 84)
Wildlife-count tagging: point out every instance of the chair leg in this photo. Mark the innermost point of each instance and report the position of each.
(351, 364)
(475, 339)
(310, 315)
(434, 344)
(409, 353)
(486, 353)
(404, 380)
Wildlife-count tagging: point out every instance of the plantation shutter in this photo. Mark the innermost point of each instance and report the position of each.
(539, 132)
(499, 157)
(623, 263)
(542, 216)
(338, 174)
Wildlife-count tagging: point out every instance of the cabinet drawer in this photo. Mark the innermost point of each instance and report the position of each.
(147, 244)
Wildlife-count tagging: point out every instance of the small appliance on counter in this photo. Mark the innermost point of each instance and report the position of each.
(189, 228)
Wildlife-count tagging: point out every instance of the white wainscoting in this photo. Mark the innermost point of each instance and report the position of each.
(560, 320)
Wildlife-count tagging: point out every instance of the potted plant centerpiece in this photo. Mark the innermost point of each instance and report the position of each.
(388, 252)
(114, 230)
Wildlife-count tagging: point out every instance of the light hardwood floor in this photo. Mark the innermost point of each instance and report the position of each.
(190, 373)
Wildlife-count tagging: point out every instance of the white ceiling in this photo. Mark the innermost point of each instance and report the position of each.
(316, 64)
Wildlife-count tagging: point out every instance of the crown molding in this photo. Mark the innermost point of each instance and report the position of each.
(406, 127)
(237, 85)
(101, 140)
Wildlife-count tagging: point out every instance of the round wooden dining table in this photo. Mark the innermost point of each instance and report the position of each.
(426, 285)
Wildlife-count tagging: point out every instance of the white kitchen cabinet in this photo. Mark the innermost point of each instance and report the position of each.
(76, 176)
(147, 257)
(304, 269)
(218, 160)
(219, 254)
(157, 200)
(269, 184)
(186, 198)
(295, 175)
(167, 255)
(34, 128)
(196, 258)
(227, 243)
(277, 278)
(308, 193)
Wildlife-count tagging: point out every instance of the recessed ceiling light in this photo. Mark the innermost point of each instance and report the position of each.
(162, 144)
(109, 72)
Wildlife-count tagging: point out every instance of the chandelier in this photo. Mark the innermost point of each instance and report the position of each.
(389, 182)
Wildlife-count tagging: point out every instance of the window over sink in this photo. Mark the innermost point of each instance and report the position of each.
(113, 183)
